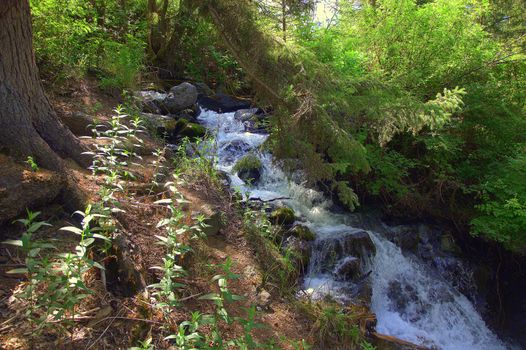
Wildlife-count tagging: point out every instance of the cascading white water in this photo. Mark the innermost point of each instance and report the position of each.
(411, 301)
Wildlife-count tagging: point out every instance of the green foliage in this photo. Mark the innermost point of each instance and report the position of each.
(279, 268)
(248, 162)
(56, 282)
(400, 54)
(73, 37)
(502, 213)
(32, 164)
(122, 63)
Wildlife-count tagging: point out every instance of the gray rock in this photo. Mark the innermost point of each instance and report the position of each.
(150, 101)
(180, 97)
(222, 103)
(246, 114)
(333, 248)
(347, 269)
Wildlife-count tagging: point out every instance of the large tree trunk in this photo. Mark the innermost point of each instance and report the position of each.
(28, 124)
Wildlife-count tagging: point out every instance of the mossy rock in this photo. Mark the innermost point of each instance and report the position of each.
(283, 216)
(249, 168)
(302, 232)
(184, 128)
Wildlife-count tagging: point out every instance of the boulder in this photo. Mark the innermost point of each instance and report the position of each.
(230, 149)
(348, 269)
(182, 128)
(406, 237)
(222, 103)
(150, 101)
(334, 247)
(244, 115)
(252, 119)
(158, 121)
(302, 232)
(180, 97)
(189, 114)
(192, 130)
(249, 168)
(283, 216)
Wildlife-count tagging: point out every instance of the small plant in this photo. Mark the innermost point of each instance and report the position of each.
(32, 163)
(144, 345)
(55, 281)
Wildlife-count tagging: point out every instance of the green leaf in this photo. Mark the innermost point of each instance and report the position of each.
(210, 296)
(72, 229)
(17, 243)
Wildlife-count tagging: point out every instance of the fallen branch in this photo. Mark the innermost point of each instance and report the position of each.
(268, 200)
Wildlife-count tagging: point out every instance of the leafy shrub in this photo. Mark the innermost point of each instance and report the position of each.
(122, 63)
(502, 213)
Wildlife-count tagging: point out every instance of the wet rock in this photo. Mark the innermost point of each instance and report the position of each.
(252, 119)
(299, 250)
(183, 128)
(230, 150)
(358, 243)
(302, 232)
(246, 114)
(283, 216)
(150, 101)
(331, 249)
(249, 168)
(407, 238)
(347, 269)
(180, 97)
(222, 103)
(402, 295)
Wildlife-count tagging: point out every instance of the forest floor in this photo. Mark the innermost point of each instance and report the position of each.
(115, 317)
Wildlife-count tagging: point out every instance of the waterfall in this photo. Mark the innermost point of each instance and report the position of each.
(411, 301)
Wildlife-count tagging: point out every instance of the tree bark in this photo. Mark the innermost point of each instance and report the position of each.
(28, 124)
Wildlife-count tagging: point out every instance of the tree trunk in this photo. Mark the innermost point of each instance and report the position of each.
(28, 124)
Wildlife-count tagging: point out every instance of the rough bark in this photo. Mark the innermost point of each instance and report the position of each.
(28, 124)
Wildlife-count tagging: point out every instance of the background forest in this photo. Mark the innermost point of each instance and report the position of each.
(428, 96)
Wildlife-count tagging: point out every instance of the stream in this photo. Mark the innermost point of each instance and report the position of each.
(412, 300)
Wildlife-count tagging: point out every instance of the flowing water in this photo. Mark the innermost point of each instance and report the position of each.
(410, 300)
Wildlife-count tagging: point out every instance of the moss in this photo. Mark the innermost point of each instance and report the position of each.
(303, 232)
(193, 130)
(282, 216)
(184, 128)
(248, 162)
(248, 168)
